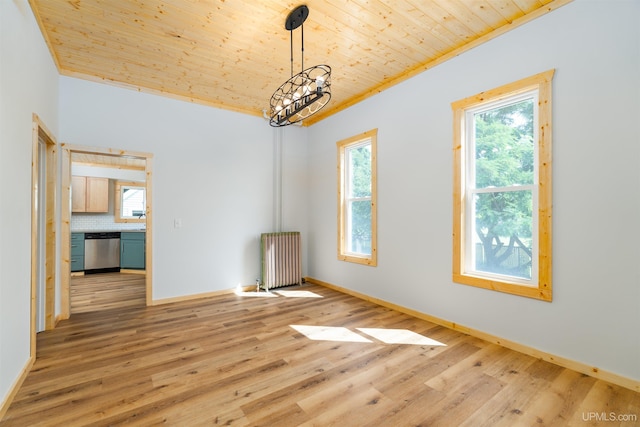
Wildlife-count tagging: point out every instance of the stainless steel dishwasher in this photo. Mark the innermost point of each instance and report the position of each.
(102, 251)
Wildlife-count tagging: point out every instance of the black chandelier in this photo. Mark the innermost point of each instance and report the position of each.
(305, 93)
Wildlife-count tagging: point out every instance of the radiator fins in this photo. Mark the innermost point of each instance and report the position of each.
(281, 259)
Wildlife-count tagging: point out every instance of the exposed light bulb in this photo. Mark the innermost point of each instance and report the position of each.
(319, 83)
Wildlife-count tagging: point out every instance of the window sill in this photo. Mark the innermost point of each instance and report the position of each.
(370, 261)
(537, 292)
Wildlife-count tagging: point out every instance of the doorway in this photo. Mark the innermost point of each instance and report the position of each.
(118, 156)
(43, 233)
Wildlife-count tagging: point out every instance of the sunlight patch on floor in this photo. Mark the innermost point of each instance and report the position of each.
(254, 294)
(399, 336)
(273, 294)
(387, 336)
(329, 333)
(298, 294)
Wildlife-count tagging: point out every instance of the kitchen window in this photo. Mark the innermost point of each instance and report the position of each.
(357, 229)
(502, 188)
(130, 202)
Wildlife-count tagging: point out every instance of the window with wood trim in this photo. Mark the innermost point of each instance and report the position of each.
(357, 227)
(502, 188)
(130, 202)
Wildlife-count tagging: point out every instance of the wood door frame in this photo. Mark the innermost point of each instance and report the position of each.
(65, 219)
(40, 131)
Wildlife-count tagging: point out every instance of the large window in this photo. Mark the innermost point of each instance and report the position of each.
(502, 188)
(357, 199)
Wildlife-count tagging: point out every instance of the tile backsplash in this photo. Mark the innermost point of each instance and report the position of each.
(100, 222)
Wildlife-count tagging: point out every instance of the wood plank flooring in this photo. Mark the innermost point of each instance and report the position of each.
(306, 356)
(103, 291)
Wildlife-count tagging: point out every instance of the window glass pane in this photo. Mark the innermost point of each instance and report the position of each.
(503, 231)
(504, 149)
(360, 171)
(359, 237)
(357, 199)
(133, 202)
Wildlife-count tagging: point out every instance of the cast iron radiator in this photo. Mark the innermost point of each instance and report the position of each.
(281, 259)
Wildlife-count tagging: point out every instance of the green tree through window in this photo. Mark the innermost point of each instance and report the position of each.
(357, 198)
(360, 199)
(504, 157)
(502, 199)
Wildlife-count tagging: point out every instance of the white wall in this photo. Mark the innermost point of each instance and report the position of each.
(28, 84)
(212, 169)
(595, 314)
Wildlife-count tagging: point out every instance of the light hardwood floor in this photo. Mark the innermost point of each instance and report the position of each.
(96, 292)
(245, 360)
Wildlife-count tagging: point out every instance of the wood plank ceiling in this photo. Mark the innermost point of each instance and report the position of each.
(233, 54)
(115, 161)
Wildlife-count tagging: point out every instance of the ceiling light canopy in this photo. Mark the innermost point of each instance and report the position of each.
(305, 93)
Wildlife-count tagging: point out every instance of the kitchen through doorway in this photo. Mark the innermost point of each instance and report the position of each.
(101, 171)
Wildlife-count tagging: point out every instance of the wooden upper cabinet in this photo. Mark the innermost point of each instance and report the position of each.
(78, 194)
(97, 194)
(89, 194)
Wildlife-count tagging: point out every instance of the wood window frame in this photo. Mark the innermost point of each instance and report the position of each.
(118, 201)
(343, 145)
(542, 289)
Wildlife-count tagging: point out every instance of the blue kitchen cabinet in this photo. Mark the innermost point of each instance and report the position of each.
(77, 251)
(132, 250)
